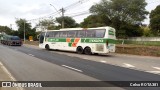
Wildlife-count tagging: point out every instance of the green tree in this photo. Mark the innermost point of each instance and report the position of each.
(129, 30)
(155, 21)
(48, 23)
(15, 33)
(146, 31)
(5, 29)
(95, 21)
(68, 22)
(121, 12)
(23, 25)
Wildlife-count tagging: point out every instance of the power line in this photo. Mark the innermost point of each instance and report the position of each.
(80, 14)
(56, 9)
(59, 11)
(76, 13)
(46, 16)
(75, 4)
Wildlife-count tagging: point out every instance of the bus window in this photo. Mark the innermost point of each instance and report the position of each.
(72, 34)
(47, 34)
(63, 34)
(90, 33)
(56, 34)
(100, 33)
(50, 34)
(81, 34)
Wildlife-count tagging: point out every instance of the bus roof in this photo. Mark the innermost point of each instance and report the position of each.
(65, 29)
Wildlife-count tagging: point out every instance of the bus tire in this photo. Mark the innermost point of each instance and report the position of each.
(88, 51)
(47, 47)
(79, 50)
(96, 54)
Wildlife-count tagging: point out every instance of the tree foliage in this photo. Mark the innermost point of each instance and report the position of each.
(146, 31)
(52, 24)
(123, 10)
(48, 23)
(68, 22)
(120, 13)
(5, 29)
(24, 26)
(155, 21)
(95, 21)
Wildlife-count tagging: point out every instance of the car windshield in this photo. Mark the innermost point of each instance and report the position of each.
(15, 38)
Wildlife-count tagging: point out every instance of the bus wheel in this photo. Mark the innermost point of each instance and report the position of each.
(79, 50)
(87, 51)
(47, 47)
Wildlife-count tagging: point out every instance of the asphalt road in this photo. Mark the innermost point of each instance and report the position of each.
(28, 64)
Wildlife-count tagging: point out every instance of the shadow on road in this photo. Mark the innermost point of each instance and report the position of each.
(98, 55)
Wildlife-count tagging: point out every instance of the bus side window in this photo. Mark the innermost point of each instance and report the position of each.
(53, 33)
(90, 33)
(72, 34)
(81, 34)
(56, 34)
(50, 34)
(47, 34)
(63, 34)
(100, 33)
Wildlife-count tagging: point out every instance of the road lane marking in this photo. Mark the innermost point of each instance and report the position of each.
(72, 68)
(9, 74)
(158, 68)
(31, 55)
(128, 65)
(103, 61)
(154, 72)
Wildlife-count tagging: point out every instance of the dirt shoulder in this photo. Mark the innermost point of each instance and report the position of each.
(138, 50)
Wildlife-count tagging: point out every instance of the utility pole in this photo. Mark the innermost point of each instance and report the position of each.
(63, 17)
(24, 32)
(62, 10)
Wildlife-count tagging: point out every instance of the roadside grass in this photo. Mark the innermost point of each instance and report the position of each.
(31, 42)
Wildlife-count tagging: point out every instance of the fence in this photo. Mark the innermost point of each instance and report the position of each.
(149, 41)
(144, 39)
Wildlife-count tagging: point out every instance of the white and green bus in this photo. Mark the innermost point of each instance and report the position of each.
(80, 40)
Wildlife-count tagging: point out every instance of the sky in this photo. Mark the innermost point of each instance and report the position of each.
(35, 10)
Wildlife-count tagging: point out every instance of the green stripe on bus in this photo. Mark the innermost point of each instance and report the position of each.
(56, 39)
(72, 40)
(83, 40)
(70, 44)
(111, 32)
(97, 41)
